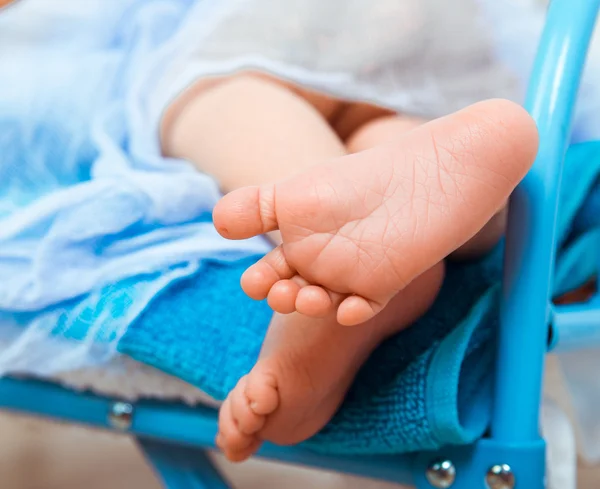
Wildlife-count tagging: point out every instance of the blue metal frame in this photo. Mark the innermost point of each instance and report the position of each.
(174, 437)
(530, 249)
(181, 467)
(174, 424)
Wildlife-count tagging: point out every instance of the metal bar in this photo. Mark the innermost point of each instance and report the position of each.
(178, 424)
(530, 246)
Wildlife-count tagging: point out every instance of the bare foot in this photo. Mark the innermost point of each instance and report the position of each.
(304, 370)
(364, 226)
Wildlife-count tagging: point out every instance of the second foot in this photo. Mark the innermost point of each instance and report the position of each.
(304, 370)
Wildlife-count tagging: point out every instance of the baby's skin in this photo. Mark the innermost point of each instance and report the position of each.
(363, 223)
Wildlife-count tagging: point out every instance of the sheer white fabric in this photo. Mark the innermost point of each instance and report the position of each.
(424, 57)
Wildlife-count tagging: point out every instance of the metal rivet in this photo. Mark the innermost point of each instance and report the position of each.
(500, 477)
(441, 474)
(121, 415)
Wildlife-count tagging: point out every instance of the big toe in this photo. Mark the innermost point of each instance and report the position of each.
(246, 212)
(245, 412)
(231, 439)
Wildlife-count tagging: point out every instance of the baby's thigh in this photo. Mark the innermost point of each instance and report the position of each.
(345, 117)
(378, 130)
(241, 90)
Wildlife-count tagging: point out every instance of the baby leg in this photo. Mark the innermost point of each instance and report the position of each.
(250, 129)
(305, 369)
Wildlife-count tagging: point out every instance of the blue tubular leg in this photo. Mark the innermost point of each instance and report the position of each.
(576, 326)
(182, 467)
(530, 238)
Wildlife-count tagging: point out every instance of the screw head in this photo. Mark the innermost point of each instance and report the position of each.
(120, 415)
(441, 474)
(500, 477)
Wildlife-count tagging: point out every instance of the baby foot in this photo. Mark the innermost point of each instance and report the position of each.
(305, 368)
(359, 229)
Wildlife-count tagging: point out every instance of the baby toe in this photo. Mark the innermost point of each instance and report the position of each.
(258, 280)
(262, 392)
(230, 438)
(236, 456)
(282, 296)
(314, 301)
(248, 422)
(356, 310)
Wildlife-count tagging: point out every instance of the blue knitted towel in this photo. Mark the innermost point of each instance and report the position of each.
(427, 387)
